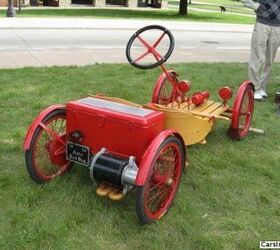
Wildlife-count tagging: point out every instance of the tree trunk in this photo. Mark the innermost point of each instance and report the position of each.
(183, 7)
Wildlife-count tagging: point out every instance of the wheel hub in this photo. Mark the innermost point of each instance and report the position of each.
(169, 182)
(56, 152)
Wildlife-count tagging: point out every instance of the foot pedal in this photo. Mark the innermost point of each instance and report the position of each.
(116, 195)
(103, 189)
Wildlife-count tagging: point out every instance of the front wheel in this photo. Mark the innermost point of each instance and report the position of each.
(46, 157)
(155, 197)
(242, 112)
(163, 92)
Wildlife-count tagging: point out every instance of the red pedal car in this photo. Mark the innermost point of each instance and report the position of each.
(126, 145)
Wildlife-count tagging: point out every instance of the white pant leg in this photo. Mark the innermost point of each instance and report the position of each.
(259, 41)
(272, 47)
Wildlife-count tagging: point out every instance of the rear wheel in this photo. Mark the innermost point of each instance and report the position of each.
(155, 197)
(46, 157)
(242, 112)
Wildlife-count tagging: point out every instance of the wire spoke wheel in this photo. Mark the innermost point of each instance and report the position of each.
(150, 47)
(245, 114)
(156, 196)
(242, 112)
(164, 92)
(46, 157)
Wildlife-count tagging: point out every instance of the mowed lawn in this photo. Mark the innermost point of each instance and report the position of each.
(155, 14)
(228, 198)
(214, 5)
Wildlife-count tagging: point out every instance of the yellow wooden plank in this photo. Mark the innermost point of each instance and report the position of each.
(172, 105)
(206, 115)
(187, 106)
(214, 107)
(203, 106)
(220, 110)
(210, 108)
(180, 106)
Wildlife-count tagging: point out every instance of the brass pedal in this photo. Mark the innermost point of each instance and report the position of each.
(116, 194)
(103, 189)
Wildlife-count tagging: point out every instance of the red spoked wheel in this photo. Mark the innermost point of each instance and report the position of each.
(155, 197)
(242, 112)
(46, 157)
(144, 54)
(164, 90)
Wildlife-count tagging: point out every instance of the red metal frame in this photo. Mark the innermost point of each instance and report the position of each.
(36, 122)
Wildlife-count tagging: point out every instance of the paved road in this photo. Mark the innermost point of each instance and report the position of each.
(68, 41)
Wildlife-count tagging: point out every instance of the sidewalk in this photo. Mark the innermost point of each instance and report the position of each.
(98, 23)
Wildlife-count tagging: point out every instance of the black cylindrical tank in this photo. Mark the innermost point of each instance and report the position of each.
(109, 168)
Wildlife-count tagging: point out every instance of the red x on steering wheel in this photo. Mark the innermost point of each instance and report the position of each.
(149, 49)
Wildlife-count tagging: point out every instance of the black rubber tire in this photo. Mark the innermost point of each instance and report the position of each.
(143, 217)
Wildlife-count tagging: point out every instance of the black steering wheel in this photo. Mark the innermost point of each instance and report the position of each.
(150, 48)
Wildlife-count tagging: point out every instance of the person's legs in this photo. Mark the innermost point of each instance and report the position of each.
(257, 59)
(272, 47)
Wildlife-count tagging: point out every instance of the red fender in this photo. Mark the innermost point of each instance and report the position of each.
(150, 152)
(237, 101)
(36, 122)
(158, 85)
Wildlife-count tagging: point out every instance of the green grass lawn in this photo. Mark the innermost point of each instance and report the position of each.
(231, 9)
(228, 198)
(134, 14)
(219, 2)
(214, 5)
